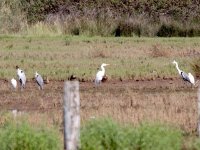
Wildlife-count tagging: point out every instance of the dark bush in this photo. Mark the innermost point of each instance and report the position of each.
(177, 31)
(127, 29)
(170, 31)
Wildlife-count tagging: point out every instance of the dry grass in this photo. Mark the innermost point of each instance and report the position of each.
(196, 66)
(128, 105)
(158, 51)
(127, 102)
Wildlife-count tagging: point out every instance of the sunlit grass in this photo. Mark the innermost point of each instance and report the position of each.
(60, 56)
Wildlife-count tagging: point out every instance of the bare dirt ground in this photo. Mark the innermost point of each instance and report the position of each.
(169, 101)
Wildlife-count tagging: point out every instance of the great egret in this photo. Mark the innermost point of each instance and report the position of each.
(14, 83)
(22, 77)
(100, 74)
(39, 80)
(186, 77)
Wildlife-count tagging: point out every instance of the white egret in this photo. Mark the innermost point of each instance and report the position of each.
(22, 77)
(186, 77)
(100, 74)
(14, 83)
(39, 80)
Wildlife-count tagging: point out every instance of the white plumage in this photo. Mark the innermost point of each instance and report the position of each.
(186, 77)
(14, 83)
(100, 74)
(39, 80)
(22, 77)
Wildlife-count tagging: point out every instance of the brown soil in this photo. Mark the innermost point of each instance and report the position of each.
(170, 101)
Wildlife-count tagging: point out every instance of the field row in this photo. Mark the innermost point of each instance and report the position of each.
(130, 58)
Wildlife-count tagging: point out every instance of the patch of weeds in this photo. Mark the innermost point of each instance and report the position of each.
(196, 66)
(22, 61)
(26, 47)
(67, 40)
(30, 40)
(100, 54)
(87, 41)
(6, 57)
(10, 46)
(158, 51)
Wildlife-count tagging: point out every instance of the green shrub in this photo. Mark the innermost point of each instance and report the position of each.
(157, 137)
(18, 136)
(103, 134)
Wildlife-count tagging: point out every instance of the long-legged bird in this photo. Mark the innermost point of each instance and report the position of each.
(186, 77)
(100, 74)
(39, 80)
(22, 77)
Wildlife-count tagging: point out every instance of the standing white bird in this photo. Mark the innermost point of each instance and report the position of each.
(14, 83)
(22, 77)
(186, 77)
(100, 74)
(39, 80)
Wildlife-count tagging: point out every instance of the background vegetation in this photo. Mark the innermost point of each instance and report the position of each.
(100, 17)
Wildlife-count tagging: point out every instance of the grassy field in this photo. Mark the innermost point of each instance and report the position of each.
(130, 58)
(143, 84)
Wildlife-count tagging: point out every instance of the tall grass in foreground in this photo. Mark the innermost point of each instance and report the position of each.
(106, 134)
(20, 135)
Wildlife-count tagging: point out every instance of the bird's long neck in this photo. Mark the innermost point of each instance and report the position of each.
(102, 69)
(179, 71)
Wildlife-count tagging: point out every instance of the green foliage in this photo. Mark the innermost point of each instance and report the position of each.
(18, 136)
(106, 134)
(157, 137)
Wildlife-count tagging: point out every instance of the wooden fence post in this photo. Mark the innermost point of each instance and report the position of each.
(71, 115)
(198, 128)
